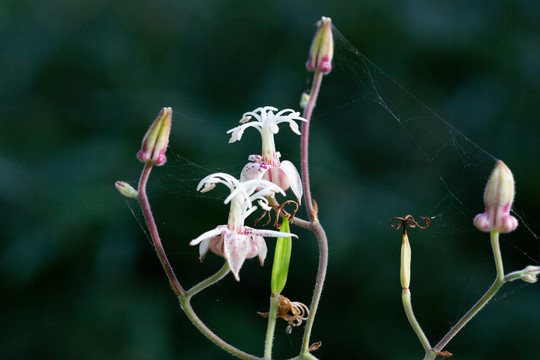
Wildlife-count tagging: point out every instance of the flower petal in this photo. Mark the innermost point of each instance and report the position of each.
(209, 234)
(235, 248)
(252, 171)
(293, 177)
(261, 247)
(203, 248)
(266, 233)
(255, 158)
(294, 127)
(278, 177)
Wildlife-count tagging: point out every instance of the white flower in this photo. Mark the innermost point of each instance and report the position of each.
(234, 241)
(268, 166)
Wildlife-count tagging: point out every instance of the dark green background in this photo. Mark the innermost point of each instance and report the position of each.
(80, 81)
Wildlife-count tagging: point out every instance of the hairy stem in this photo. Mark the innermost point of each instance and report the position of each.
(186, 306)
(321, 275)
(183, 296)
(208, 282)
(150, 222)
(406, 298)
(272, 317)
(315, 225)
(304, 143)
(185, 302)
(499, 281)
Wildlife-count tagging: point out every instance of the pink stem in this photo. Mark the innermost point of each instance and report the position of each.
(304, 143)
(149, 218)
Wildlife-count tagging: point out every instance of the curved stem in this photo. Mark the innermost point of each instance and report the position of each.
(304, 143)
(300, 222)
(272, 317)
(321, 275)
(185, 302)
(208, 282)
(183, 296)
(499, 281)
(149, 218)
(407, 305)
(315, 225)
(186, 306)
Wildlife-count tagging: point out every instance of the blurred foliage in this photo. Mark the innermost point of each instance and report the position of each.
(81, 80)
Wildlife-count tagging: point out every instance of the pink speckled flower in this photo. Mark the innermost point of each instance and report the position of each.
(234, 241)
(268, 165)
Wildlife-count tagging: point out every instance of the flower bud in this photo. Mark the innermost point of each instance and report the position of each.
(498, 199)
(530, 274)
(127, 190)
(304, 99)
(155, 141)
(322, 48)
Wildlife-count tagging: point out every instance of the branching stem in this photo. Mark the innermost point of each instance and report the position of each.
(499, 281)
(183, 296)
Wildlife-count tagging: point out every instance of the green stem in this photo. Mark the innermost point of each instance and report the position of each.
(499, 281)
(272, 317)
(208, 282)
(185, 302)
(406, 298)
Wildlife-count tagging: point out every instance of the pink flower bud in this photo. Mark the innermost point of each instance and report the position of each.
(498, 199)
(155, 141)
(322, 48)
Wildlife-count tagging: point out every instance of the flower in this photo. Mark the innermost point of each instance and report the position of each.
(498, 199)
(322, 48)
(155, 141)
(268, 165)
(234, 241)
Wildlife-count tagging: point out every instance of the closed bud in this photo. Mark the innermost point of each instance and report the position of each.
(155, 141)
(498, 199)
(127, 190)
(322, 48)
(304, 99)
(530, 274)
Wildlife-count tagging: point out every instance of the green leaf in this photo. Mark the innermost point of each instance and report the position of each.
(282, 257)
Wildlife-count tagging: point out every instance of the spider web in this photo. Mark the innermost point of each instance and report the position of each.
(423, 146)
(378, 145)
(439, 172)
